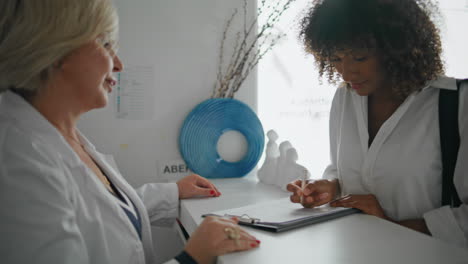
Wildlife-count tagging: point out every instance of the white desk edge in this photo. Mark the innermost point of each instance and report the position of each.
(351, 239)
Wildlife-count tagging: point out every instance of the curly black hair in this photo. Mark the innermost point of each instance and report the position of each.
(400, 31)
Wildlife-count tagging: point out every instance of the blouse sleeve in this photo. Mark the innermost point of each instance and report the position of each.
(451, 224)
(161, 201)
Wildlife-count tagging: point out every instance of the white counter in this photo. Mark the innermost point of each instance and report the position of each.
(356, 238)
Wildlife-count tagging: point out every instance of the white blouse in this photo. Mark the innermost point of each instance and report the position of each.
(403, 166)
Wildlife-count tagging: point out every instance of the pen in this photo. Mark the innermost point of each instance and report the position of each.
(339, 198)
(303, 184)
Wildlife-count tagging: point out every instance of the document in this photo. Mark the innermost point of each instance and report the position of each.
(282, 215)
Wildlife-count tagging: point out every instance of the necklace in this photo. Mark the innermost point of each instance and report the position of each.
(90, 162)
(75, 141)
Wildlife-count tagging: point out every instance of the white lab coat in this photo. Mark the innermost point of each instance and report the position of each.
(403, 166)
(55, 210)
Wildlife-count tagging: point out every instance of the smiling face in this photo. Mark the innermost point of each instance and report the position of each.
(87, 74)
(361, 70)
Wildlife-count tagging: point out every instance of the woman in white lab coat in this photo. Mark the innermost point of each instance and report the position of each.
(384, 127)
(62, 200)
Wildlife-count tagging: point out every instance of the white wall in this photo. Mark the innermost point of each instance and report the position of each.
(179, 40)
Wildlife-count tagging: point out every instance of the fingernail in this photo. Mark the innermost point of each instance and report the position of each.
(258, 241)
(212, 192)
(323, 196)
(253, 245)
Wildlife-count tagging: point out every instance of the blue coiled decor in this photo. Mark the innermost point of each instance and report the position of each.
(204, 126)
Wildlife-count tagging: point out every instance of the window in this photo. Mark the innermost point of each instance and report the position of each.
(296, 106)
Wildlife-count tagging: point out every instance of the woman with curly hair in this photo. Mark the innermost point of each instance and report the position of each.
(384, 127)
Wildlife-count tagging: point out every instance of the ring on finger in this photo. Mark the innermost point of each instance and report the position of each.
(232, 233)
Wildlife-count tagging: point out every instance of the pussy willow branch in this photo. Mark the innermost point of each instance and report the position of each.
(221, 55)
(252, 64)
(249, 47)
(239, 53)
(244, 67)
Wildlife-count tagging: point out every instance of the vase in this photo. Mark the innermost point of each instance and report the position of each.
(203, 127)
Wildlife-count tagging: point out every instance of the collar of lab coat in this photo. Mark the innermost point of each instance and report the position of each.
(15, 107)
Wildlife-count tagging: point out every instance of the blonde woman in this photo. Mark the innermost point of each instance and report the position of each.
(63, 202)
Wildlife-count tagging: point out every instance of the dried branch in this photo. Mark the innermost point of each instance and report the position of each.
(219, 76)
(250, 47)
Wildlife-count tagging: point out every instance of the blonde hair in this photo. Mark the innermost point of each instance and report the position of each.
(36, 34)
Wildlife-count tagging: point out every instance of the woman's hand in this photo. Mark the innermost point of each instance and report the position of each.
(367, 203)
(196, 186)
(315, 193)
(211, 239)
(370, 205)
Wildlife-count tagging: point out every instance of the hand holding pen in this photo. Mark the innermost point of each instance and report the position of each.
(313, 193)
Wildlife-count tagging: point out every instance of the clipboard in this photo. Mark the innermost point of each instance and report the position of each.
(282, 215)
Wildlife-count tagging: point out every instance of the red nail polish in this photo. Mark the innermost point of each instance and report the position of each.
(253, 245)
(258, 241)
(212, 192)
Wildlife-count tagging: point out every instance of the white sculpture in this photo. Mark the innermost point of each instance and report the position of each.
(267, 173)
(283, 148)
(280, 166)
(291, 170)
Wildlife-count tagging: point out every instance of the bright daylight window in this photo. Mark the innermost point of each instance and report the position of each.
(293, 103)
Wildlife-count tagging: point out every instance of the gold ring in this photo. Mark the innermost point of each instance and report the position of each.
(232, 233)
